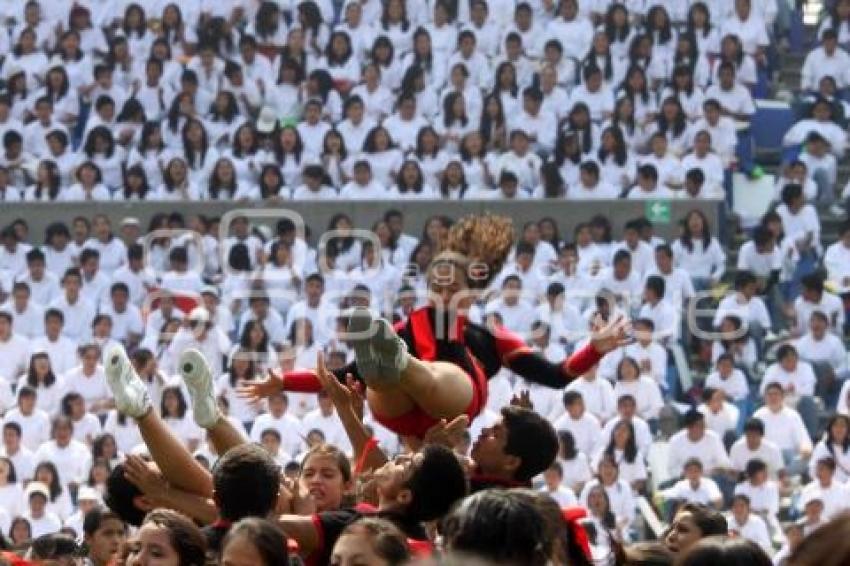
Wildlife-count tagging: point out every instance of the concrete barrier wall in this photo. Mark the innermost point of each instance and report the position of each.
(316, 215)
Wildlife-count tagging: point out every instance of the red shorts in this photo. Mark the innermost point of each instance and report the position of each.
(416, 422)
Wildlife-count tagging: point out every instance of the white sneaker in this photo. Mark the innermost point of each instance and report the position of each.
(838, 211)
(128, 389)
(198, 378)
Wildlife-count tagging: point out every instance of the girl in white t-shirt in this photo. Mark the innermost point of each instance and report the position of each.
(338, 163)
(644, 389)
(59, 501)
(384, 159)
(135, 187)
(619, 495)
(175, 412)
(49, 387)
(454, 186)
(48, 183)
(149, 153)
(101, 149)
(623, 448)
(89, 185)
(124, 430)
(11, 490)
(269, 28)
(396, 26)
(690, 95)
(672, 121)
(199, 154)
(290, 155)
(636, 88)
(454, 122)
(700, 26)
(474, 159)
(270, 183)
(243, 369)
(624, 119)
(616, 165)
(176, 184)
(410, 183)
(223, 119)
(244, 152)
(341, 61)
(687, 56)
(224, 185)
(574, 462)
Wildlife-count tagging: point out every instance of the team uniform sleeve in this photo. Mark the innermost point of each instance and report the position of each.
(517, 356)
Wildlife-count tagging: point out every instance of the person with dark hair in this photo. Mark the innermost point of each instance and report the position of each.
(731, 551)
(171, 536)
(125, 499)
(623, 449)
(746, 305)
(828, 545)
(373, 541)
(104, 533)
(518, 447)
(499, 526)
(694, 487)
(691, 523)
(836, 445)
(78, 311)
(257, 540)
(53, 548)
(753, 446)
(797, 379)
(815, 297)
(698, 252)
(784, 426)
(694, 441)
(43, 284)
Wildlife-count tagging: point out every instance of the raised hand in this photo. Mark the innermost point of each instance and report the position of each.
(254, 391)
(341, 395)
(608, 337)
(447, 433)
(149, 482)
(523, 400)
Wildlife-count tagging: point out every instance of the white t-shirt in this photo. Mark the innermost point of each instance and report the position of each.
(784, 428)
(92, 387)
(767, 452)
(586, 431)
(705, 493)
(73, 462)
(290, 429)
(709, 450)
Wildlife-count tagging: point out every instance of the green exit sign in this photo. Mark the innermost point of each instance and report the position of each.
(657, 211)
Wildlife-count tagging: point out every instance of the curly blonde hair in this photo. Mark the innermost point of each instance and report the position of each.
(484, 240)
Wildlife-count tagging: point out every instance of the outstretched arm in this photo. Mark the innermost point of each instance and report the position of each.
(522, 360)
(295, 381)
(346, 399)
